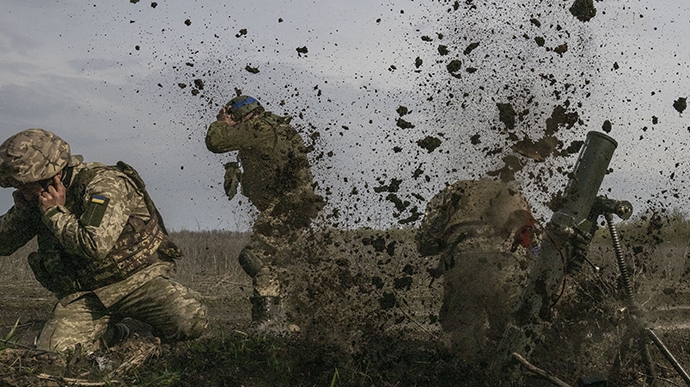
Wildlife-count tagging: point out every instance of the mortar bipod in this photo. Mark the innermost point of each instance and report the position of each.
(608, 207)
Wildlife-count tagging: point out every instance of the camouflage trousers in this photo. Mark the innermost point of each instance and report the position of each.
(173, 311)
(481, 289)
(266, 271)
(272, 246)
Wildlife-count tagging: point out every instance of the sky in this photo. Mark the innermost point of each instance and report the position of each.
(370, 83)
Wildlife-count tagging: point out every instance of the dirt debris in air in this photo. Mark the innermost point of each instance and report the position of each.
(429, 143)
(253, 70)
(606, 126)
(302, 50)
(454, 66)
(367, 303)
(583, 10)
(680, 104)
(548, 145)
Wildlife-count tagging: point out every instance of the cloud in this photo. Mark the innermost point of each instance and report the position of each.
(80, 73)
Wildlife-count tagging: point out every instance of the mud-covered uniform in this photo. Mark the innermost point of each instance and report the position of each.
(483, 232)
(277, 180)
(106, 256)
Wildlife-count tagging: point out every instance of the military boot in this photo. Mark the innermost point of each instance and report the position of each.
(116, 334)
(269, 317)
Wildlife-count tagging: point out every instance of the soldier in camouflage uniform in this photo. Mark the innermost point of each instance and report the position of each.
(483, 231)
(494, 258)
(275, 176)
(102, 247)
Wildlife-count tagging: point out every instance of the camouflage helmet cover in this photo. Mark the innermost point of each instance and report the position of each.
(488, 201)
(472, 203)
(32, 155)
(239, 107)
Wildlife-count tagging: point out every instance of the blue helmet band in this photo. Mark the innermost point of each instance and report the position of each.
(246, 101)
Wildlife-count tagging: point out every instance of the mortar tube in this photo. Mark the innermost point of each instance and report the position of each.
(588, 173)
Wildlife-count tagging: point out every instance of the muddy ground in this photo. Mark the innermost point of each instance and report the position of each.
(368, 311)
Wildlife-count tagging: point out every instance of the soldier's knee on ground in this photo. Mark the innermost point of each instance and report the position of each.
(184, 327)
(196, 324)
(83, 321)
(177, 312)
(193, 318)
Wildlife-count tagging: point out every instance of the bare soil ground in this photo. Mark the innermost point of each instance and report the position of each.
(368, 311)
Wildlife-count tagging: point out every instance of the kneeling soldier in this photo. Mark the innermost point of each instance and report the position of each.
(102, 247)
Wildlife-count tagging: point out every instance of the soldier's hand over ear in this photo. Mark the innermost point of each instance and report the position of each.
(221, 114)
(54, 196)
(225, 117)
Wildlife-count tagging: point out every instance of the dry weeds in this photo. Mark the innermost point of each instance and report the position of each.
(369, 312)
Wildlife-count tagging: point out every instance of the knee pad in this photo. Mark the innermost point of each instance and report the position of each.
(251, 264)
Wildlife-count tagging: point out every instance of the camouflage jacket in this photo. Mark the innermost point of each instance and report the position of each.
(476, 215)
(103, 234)
(273, 157)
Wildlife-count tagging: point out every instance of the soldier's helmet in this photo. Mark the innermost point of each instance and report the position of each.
(32, 155)
(471, 203)
(239, 107)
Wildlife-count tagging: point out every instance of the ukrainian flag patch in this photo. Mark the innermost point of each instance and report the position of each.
(95, 210)
(98, 199)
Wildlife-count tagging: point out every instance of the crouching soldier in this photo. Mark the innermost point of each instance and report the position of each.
(102, 247)
(275, 175)
(483, 232)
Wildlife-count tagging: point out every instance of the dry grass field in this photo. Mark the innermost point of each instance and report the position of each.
(210, 266)
(368, 309)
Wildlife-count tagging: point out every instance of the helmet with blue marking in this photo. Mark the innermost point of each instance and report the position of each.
(239, 107)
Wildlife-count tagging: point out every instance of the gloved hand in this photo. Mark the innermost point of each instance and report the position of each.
(233, 175)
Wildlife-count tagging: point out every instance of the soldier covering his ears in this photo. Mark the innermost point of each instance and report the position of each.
(275, 176)
(103, 249)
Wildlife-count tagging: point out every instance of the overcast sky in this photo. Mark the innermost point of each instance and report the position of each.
(107, 76)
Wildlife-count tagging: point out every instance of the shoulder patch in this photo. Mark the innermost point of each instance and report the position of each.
(94, 210)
